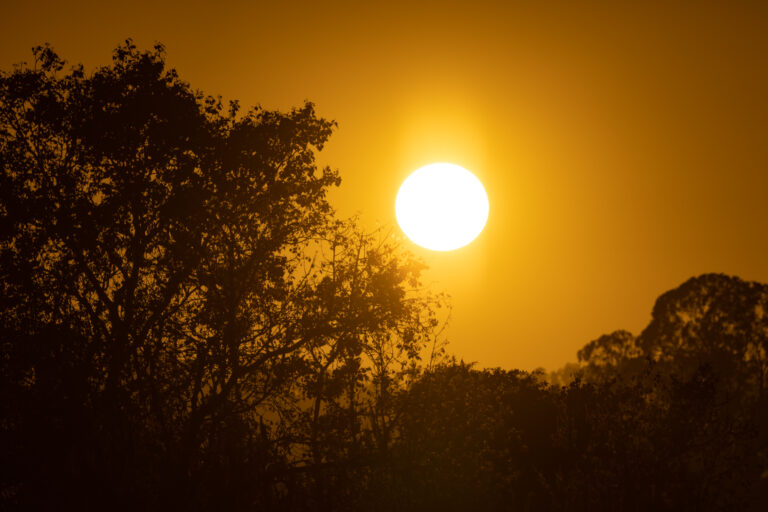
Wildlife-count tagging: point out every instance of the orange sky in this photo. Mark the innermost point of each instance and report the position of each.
(623, 148)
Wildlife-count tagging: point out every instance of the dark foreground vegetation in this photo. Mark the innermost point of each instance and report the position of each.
(185, 325)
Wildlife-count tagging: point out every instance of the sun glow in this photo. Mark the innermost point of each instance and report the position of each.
(441, 207)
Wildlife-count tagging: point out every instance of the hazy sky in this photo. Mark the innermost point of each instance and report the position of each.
(623, 148)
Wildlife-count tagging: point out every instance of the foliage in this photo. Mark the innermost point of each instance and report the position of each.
(168, 291)
(185, 324)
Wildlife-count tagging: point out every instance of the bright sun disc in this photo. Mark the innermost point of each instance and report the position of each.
(441, 207)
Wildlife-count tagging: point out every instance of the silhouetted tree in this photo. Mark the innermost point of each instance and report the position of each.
(611, 356)
(470, 438)
(165, 288)
(690, 389)
(185, 324)
(342, 400)
(712, 319)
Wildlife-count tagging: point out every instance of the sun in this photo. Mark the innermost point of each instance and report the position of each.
(441, 207)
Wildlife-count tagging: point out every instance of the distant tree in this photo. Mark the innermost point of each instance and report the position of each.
(710, 335)
(693, 387)
(165, 289)
(500, 440)
(712, 319)
(653, 444)
(472, 438)
(611, 356)
(609, 349)
(565, 375)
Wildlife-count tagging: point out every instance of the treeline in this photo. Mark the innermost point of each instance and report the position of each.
(185, 324)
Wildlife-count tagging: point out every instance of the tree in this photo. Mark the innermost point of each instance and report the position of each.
(692, 386)
(716, 320)
(339, 412)
(472, 438)
(159, 298)
(611, 356)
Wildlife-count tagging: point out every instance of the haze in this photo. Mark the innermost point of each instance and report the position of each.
(623, 148)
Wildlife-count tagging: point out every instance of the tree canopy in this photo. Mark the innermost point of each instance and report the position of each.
(175, 281)
(185, 323)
